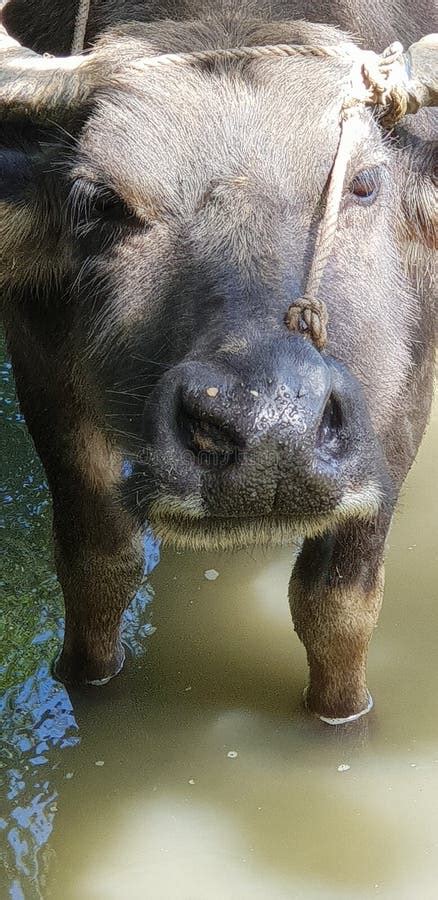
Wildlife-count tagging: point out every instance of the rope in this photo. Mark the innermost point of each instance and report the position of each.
(235, 54)
(81, 22)
(393, 97)
(373, 87)
(308, 314)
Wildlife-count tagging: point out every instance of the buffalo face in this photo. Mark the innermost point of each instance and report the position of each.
(187, 209)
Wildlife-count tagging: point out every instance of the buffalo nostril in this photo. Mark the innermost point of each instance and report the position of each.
(331, 426)
(206, 436)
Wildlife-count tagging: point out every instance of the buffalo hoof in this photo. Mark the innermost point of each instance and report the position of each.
(80, 673)
(342, 720)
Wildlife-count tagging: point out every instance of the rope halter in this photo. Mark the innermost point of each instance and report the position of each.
(308, 314)
(377, 82)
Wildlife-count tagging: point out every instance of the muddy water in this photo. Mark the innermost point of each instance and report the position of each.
(195, 774)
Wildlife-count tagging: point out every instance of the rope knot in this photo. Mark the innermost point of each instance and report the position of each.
(309, 317)
(383, 76)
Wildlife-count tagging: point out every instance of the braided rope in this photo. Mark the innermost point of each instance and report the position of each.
(80, 28)
(373, 85)
(235, 54)
(308, 314)
(334, 197)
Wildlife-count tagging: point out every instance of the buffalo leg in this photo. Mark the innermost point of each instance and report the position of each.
(98, 548)
(336, 592)
(99, 563)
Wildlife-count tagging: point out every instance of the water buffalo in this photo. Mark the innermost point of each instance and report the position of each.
(162, 205)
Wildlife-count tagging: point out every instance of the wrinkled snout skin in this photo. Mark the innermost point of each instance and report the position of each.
(152, 243)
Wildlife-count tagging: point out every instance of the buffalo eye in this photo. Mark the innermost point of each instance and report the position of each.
(364, 187)
(97, 206)
(106, 206)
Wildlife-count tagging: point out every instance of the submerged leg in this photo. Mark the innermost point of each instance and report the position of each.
(99, 563)
(336, 593)
(98, 547)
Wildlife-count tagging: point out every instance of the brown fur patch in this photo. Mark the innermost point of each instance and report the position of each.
(30, 251)
(335, 626)
(97, 460)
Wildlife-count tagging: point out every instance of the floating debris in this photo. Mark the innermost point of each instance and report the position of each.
(211, 574)
(99, 762)
(212, 391)
(254, 393)
(191, 781)
(69, 775)
(344, 767)
(232, 754)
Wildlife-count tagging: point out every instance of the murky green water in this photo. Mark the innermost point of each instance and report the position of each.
(195, 775)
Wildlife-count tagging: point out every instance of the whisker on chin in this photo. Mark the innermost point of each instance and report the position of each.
(150, 362)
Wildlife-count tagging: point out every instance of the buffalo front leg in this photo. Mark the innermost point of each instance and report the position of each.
(98, 547)
(100, 564)
(336, 593)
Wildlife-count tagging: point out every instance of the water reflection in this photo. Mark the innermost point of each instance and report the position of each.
(36, 713)
(37, 717)
(38, 721)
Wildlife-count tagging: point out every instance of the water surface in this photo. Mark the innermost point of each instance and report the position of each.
(195, 775)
